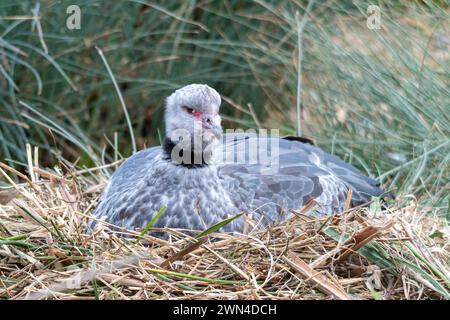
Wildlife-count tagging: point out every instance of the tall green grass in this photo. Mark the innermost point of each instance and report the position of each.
(378, 98)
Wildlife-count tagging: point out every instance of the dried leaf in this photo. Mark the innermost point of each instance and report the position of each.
(361, 238)
(322, 281)
(309, 205)
(182, 253)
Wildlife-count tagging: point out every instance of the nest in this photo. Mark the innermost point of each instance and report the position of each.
(401, 252)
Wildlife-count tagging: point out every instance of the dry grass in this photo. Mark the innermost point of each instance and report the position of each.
(45, 252)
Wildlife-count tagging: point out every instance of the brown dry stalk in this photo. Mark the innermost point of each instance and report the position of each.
(323, 282)
(361, 238)
(179, 255)
(17, 173)
(348, 200)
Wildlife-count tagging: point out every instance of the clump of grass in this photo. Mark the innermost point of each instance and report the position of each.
(46, 252)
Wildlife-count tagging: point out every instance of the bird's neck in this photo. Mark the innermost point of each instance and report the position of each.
(186, 155)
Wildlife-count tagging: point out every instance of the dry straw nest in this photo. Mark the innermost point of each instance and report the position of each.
(46, 252)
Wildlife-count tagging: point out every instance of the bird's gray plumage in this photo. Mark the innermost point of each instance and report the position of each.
(198, 197)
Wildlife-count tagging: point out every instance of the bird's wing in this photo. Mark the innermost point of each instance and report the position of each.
(286, 174)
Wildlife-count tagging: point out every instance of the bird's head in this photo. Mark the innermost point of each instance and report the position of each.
(193, 112)
(192, 108)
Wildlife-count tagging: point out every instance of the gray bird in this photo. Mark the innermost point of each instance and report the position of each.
(203, 177)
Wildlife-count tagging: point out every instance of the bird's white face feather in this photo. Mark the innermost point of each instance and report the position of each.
(193, 109)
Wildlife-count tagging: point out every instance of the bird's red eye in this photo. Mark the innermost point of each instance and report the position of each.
(188, 109)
